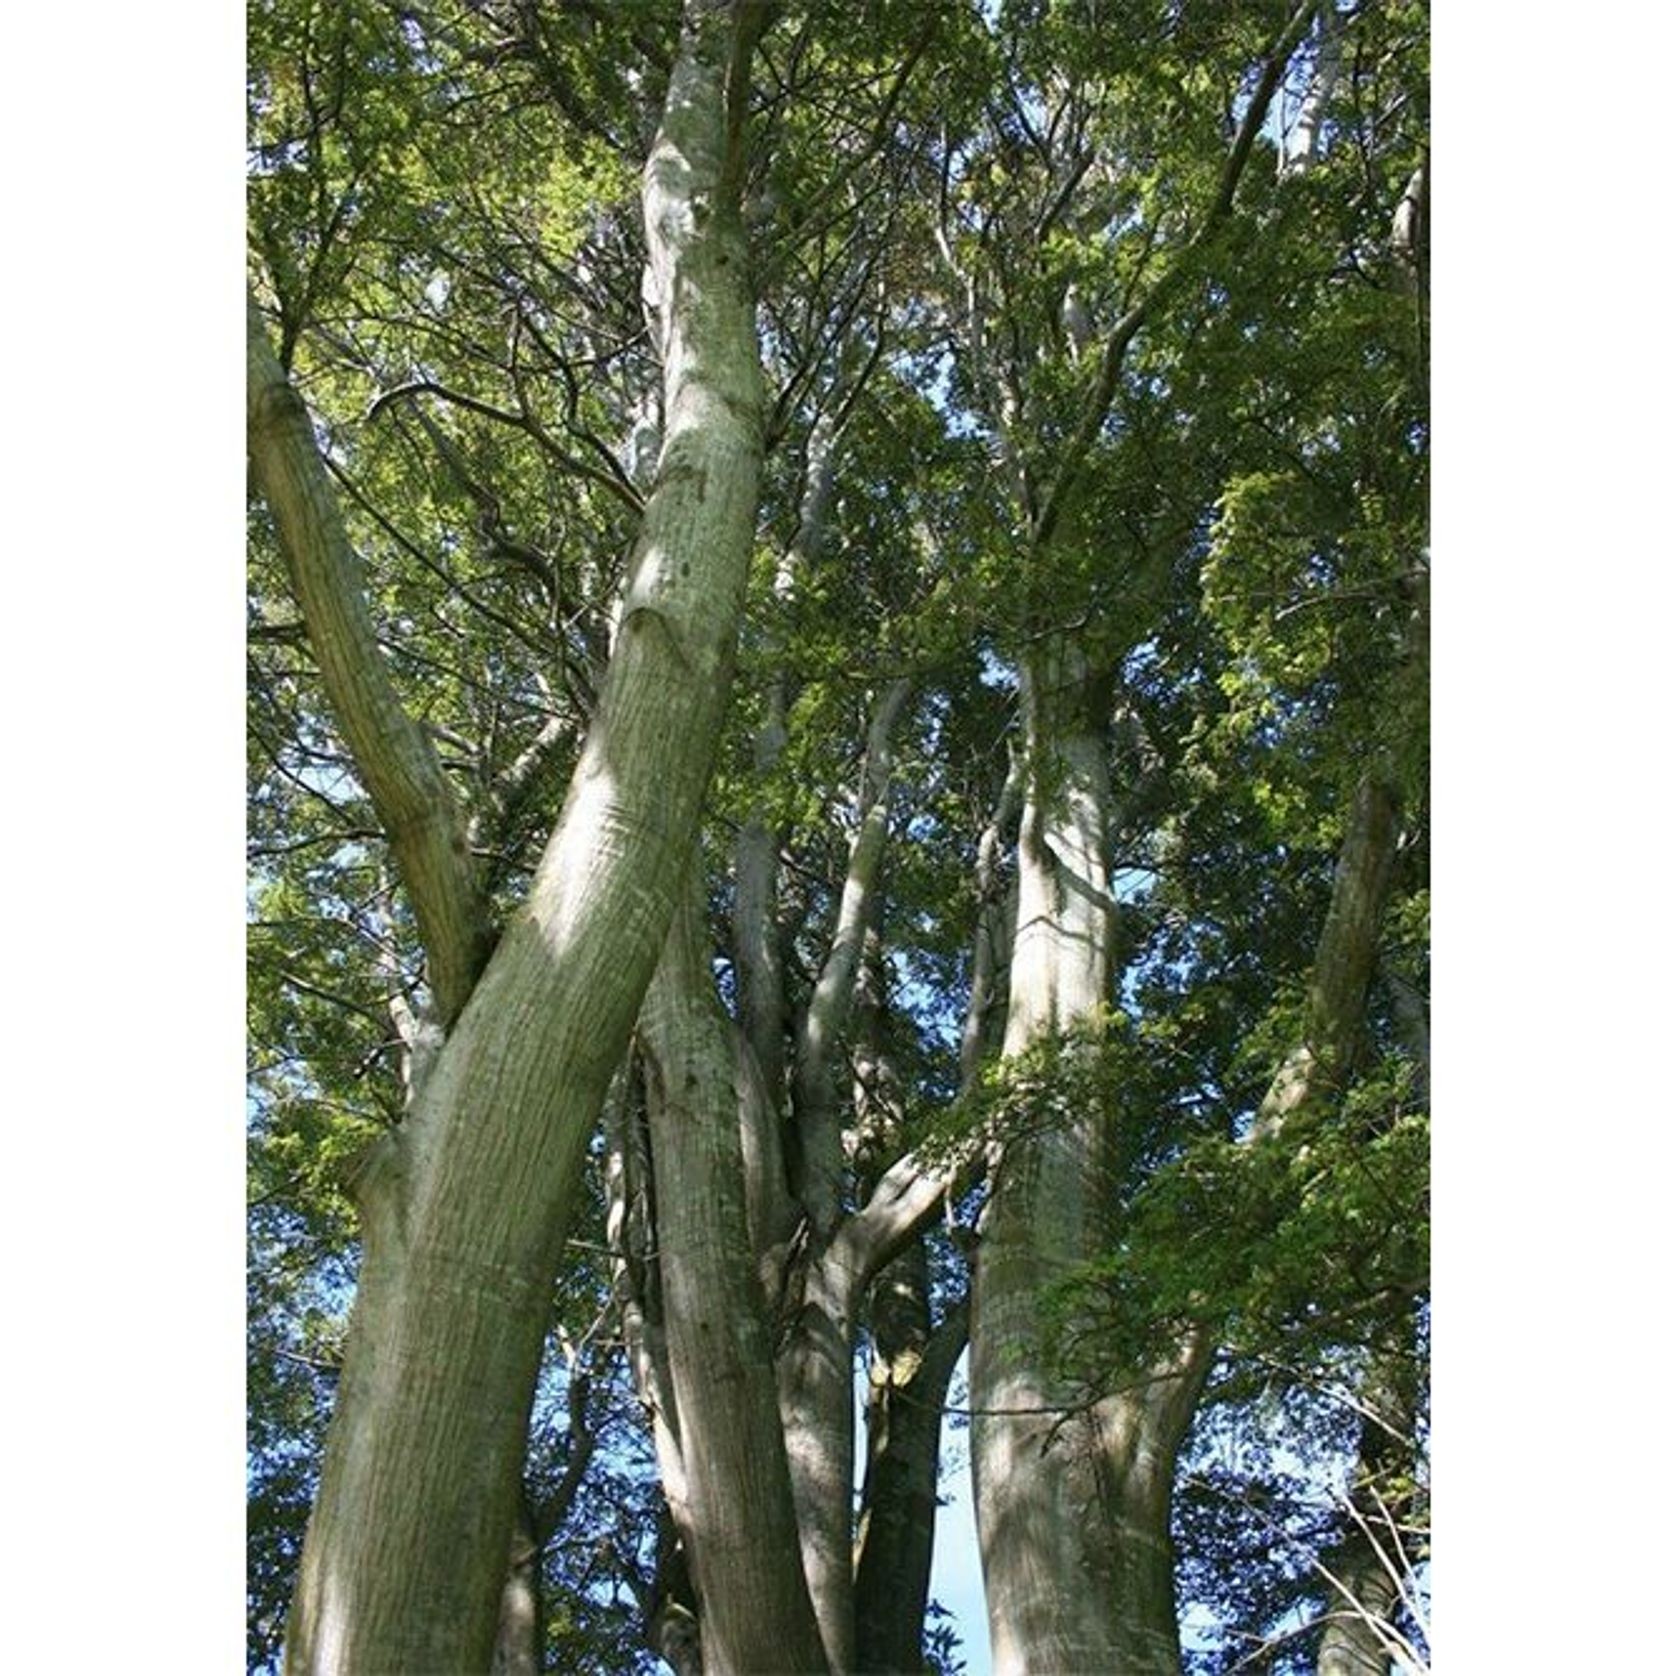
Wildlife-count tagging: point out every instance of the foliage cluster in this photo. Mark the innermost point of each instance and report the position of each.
(444, 234)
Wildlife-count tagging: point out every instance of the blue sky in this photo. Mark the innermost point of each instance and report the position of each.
(956, 1575)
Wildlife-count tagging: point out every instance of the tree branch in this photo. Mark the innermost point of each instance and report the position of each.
(829, 1006)
(393, 757)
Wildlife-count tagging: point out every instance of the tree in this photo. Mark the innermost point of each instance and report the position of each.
(1032, 398)
(466, 1206)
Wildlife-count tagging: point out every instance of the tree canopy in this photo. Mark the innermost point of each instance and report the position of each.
(838, 768)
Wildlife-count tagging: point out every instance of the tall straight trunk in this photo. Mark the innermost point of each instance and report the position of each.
(1072, 1502)
(734, 1506)
(466, 1208)
(1073, 1508)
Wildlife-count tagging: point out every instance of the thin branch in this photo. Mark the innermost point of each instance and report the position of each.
(525, 422)
(1075, 451)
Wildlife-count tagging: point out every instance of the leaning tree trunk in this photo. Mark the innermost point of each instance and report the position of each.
(466, 1208)
(1072, 1502)
(755, 1444)
(733, 1498)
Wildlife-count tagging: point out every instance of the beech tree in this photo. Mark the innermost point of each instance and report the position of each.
(1024, 949)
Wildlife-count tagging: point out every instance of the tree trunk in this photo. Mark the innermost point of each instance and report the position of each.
(1319, 1065)
(758, 1471)
(466, 1208)
(816, 1384)
(1072, 1502)
(907, 1384)
(728, 1439)
(1306, 136)
(815, 1098)
(734, 1509)
(1073, 1508)
(818, 1417)
(518, 1640)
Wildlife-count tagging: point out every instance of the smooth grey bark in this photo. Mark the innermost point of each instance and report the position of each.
(1409, 229)
(723, 1244)
(1085, 1492)
(1066, 1489)
(816, 1392)
(824, 1284)
(1353, 1642)
(694, 1340)
(518, 1637)
(393, 756)
(734, 1507)
(816, 1105)
(841, 1254)
(817, 1417)
(466, 1208)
